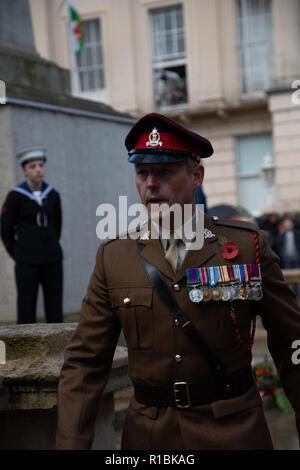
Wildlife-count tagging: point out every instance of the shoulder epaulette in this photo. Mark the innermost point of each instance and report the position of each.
(236, 224)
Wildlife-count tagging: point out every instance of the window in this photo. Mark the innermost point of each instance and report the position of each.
(255, 44)
(89, 65)
(168, 56)
(251, 152)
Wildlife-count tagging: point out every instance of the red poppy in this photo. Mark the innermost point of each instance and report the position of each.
(229, 250)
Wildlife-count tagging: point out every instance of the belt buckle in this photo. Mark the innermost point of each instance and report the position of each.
(177, 391)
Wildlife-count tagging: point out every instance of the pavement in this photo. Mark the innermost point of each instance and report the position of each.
(281, 424)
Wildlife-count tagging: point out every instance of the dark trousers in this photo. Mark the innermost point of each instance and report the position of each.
(28, 278)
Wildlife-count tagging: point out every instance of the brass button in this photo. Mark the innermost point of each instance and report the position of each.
(126, 301)
(176, 322)
(178, 358)
(176, 287)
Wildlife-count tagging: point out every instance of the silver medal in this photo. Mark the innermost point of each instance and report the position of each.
(196, 295)
(249, 289)
(234, 292)
(257, 293)
(226, 294)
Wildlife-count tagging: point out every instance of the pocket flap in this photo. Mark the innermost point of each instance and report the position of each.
(136, 295)
(250, 399)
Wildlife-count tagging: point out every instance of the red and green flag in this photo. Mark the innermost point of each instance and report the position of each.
(75, 28)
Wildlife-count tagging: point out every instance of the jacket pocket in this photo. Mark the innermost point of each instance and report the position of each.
(133, 306)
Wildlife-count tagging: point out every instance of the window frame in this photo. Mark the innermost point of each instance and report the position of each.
(99, 93)
(253, 175)
(173, 62)
(246, 73)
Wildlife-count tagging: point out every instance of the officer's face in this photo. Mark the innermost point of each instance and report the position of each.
(35, 171)
(168, 183)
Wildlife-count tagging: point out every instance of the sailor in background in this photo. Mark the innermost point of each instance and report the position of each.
(30, 230)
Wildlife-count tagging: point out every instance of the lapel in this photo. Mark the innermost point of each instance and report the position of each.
(153, 252)
(197, 258)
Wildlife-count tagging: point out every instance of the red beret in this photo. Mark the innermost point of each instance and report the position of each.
(157, 139)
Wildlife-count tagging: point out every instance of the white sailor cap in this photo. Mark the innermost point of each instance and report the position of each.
(31, 153)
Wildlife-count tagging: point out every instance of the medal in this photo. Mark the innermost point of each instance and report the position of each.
(234, 288)
(250, 292)
(195, 291)
(249, 289)
(216, 292)
(207, 295)
(226, 294)
(256, 277)
(243, 293)
(196, 295)
(257, 294)
(206, 291)
(234, 292)
(240, 273)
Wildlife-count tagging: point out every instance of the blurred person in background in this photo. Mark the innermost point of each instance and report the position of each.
(288, 245)
(30, 230)
(270, 224)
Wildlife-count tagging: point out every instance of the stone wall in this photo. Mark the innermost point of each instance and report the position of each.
(28, 388)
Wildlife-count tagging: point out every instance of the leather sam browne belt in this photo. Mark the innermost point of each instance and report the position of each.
(182, 395)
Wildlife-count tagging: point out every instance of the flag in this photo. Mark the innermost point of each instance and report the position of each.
(75, 29)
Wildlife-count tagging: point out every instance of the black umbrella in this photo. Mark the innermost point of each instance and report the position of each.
(225, 211)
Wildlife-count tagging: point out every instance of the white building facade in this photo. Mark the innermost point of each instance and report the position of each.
(226, 68)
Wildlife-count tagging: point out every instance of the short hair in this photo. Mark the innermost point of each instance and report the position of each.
(192, 163)
(23, 164)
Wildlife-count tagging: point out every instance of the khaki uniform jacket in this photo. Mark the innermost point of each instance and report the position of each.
(154, 340)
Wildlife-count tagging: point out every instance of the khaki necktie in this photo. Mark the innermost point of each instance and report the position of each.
(172, 252)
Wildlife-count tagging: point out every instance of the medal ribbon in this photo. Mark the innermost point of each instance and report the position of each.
(211, 280)
(242, 273)
(203, 276)
(224, 273)
(237, 274)
(255, 271)
(249, 271)
(259, 272)
(230, 270)
(214, 275)
(192, 275)
(245, 272)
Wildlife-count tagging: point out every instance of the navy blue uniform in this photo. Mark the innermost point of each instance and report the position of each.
(30, 231)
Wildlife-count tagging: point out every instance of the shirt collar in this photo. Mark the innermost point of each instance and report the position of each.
(185, 232)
